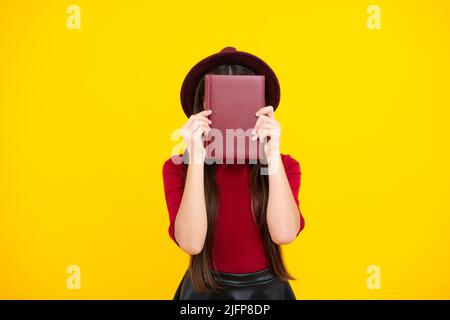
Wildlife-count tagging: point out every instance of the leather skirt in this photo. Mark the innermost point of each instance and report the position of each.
(261, 285)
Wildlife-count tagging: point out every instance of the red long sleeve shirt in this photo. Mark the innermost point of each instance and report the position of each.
(238, 246)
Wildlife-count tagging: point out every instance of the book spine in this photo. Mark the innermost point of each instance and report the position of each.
(263, 95)
(207, 92)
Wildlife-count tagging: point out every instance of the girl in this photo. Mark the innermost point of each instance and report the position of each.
(230, 218)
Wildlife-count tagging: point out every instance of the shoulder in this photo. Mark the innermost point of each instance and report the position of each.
(289, 162)
(174, 165)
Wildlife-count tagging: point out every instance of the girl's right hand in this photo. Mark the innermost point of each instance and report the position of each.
(192, 132)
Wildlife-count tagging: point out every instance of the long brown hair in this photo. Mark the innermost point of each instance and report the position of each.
(200, 266)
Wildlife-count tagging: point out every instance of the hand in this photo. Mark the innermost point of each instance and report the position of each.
(192, 132)
(267, 127)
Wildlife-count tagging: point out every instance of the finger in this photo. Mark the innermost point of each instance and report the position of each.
(260, 120)
(268, 110)
(268, 125)
(261, 135)
(274, 131)
(194, 125)
(194, 121)
(200, 131)
(202, 117)
(204, 113)
(189, 132)
(198, 116)
(264, 133)
(197, 124)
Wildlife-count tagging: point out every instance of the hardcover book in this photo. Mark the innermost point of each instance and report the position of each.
(234, 100)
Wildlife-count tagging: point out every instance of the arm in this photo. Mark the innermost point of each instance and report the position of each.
(191, 221)
(283, 214)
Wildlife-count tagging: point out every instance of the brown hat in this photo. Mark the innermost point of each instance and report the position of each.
(229, 55)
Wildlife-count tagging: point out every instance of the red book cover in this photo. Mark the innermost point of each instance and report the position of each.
(234, 100)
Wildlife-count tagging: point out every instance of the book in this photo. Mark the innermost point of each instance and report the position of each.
(234, 100)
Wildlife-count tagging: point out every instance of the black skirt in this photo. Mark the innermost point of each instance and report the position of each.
(261, 285)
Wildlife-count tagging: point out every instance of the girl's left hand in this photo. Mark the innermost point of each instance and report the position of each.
(267, 127)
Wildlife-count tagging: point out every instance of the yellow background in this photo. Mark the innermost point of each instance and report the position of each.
(86, 117)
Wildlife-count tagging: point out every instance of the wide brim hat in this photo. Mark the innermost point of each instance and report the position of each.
(229, 55)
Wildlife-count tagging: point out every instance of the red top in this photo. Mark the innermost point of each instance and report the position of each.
(238, 246)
